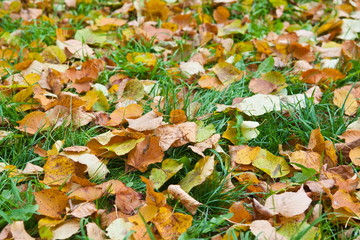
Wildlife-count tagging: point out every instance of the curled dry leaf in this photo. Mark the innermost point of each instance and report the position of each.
(289, 204)
(179, 194)
(211, 142)
(15, 230)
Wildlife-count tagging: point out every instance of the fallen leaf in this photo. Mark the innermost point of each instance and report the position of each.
(59, 169)
(118, 229)
(145, 153)
(354, 155)
(343, 98)
(169, 167)
(263, 230)
(177, 116)
(52, 202)
(34, 122)
(185, 199)
(288, 204)
(66, 229)
(274, 166)
(77, 49)
(171, 225)
(227, 73)
(18, 231)
(149, 121)
(82, 210)
(191, 68)
(307, 159)
(94, 232)
(153, 198)
(241, 214)
(202, 169)
(259, 104)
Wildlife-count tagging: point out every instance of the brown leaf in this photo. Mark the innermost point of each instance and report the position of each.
(66, 229)
(350, 135)
(343, 199)
(15, 230)
(52, 202)
(301, 52)
(168, 135)
(78, 49)
(344, 97)
(258, 85)
(145, 153)
(185, 199)
(128, 200)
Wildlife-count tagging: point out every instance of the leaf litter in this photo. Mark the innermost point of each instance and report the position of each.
(72, 77)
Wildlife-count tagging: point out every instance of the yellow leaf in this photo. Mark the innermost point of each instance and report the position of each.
(273, 165)
(171, 225)
(203, 168)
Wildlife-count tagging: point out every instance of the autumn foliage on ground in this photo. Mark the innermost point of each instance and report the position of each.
(189, 119)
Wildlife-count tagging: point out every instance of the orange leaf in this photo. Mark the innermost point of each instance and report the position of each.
(119, 116)
(241, 214)
(153, 198)
(221, 14)
(145, 153)
(33, 122)
(52, 202)
(177, 116)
